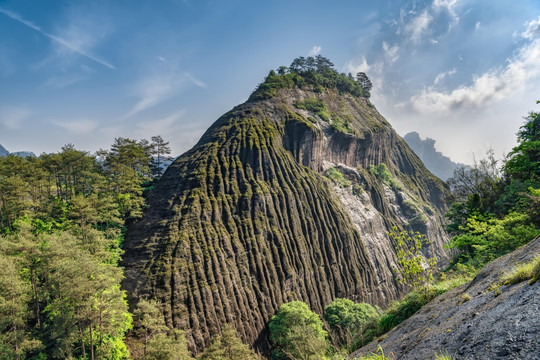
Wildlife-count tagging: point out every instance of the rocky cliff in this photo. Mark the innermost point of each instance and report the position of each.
(288, 196)
(478, 320)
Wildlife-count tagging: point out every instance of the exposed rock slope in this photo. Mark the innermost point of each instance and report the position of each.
(246, 220)
(474, 321)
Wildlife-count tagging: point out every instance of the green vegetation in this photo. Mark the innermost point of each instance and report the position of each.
(497, 209)
(315, 106)
(316, 73)
(227, 346)
(522, 272)
(297, 333)
(347, 319)
(62, 221)
(357, 189)
(382, 173)
(415, 270)
(337, 176)
(342, 125)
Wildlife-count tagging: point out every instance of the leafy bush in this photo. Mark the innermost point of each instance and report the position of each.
(336, 176)
(381, 172)
(297, 332)
(487, 237)
(415, 269)
(341, 125)
(357, 189)
(347, 318)
(315, 106)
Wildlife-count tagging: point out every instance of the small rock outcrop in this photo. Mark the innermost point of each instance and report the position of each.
(286, 197)
(477, 320)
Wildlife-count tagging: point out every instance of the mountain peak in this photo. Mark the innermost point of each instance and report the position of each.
(281, 199)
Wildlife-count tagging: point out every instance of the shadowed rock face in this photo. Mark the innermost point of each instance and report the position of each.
(246, 220)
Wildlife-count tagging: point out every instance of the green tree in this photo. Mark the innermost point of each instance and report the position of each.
(365, 83)
(524, 161)
(227, 346)
(160, 155)
(414, 268)
(347, 318)
(127, 167)
(168, 346)
(297, 333)
(14, 295)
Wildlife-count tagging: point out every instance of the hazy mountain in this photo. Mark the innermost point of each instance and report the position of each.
(3, 151)
(434, 160)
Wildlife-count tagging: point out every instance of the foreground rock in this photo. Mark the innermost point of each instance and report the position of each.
(474, 321)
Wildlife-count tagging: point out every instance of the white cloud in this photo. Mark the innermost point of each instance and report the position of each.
(533, 29)
(418, 26)
(500, 83)
(62, 81)
(75, 42)
(316, 50)
(448, 5)
(13, 117)
(81, 126)
(196, 81)
(390, 52)
(155, 89)
(357, 65)
(440, 77)
(477, 26)
(160, 126)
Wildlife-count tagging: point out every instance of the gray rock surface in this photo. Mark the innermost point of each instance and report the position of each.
(490, 325)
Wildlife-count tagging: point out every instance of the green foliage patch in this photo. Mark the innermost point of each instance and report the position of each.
(337, 176)
(382, 173)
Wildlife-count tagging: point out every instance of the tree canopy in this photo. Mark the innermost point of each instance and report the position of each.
(317, 73)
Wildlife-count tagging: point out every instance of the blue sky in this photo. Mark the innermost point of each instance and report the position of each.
(462, 72)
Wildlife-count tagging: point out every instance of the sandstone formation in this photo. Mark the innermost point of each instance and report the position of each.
(248, 219)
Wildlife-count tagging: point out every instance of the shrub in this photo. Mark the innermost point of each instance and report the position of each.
(347, 318)
(297, 332)
(357, 189)
(336, 176)
(381, 172)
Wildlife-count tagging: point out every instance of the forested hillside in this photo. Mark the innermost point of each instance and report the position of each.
(62, 220)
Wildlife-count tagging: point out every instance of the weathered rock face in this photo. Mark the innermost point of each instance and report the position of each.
(246, 220)
(474, 321)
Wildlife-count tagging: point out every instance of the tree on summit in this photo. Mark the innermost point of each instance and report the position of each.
(364, 82)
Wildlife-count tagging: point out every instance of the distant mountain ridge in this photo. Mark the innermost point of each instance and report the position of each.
(5, 152)
(440, 165)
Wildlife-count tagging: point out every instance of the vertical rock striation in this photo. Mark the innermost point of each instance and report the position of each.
(247, 219)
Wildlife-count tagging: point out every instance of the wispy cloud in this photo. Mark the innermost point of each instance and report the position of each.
(450, 6)
(521, 71)
(418, 26)
(160, 126)
(532, 30)
(62, 81)
(81, 126)
(71, 45)
(390, 52)
(196, 81)
(13, 117)
(316, 50)
(155, 89)
(440, 77)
